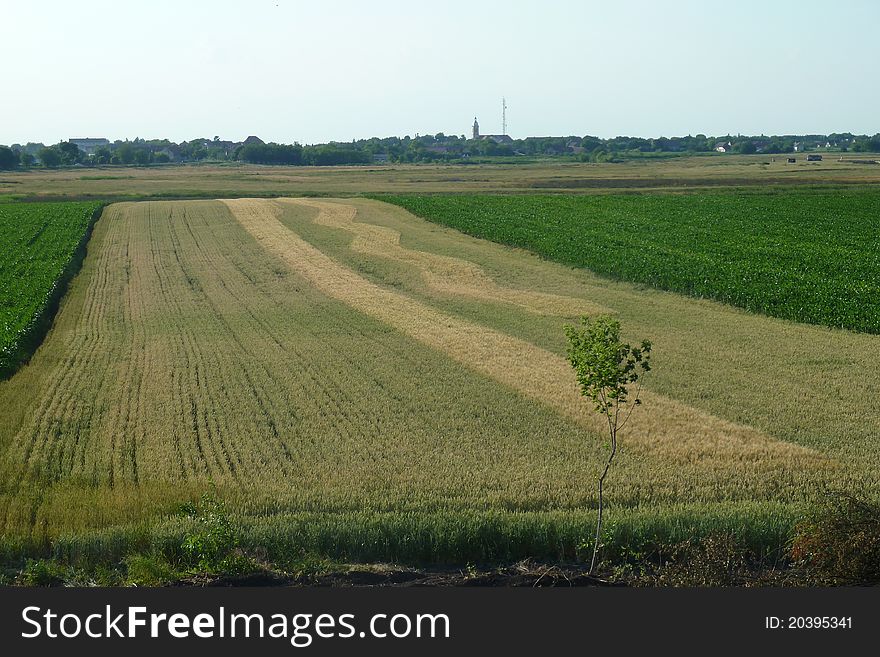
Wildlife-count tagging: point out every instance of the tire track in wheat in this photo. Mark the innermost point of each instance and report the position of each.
(42, 451)
(202, 407)
(42, 441)
(261, 344)
(202, 251)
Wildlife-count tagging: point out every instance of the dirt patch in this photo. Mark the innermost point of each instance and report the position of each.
(523, 574)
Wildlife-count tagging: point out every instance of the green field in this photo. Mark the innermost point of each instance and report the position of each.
(38, 246)
(805, 257)
(358, 382)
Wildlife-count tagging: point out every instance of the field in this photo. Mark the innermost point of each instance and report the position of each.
(805, 257)
(746, 172)
(39, 244)
(360, 382)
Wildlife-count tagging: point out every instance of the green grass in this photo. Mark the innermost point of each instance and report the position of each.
(430, 538)
(806, 257)
(38, 245)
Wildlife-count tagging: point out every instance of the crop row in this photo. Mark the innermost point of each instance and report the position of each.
(39, 243)
(808, 257)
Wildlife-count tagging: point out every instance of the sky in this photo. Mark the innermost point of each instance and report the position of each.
(315, 71)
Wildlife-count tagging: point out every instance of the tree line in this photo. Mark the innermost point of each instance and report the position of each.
(421, 148)
(294, 154)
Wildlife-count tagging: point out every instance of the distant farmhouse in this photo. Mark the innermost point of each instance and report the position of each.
(89, 145)
(724, 147)
(498, 139)
(223, 145)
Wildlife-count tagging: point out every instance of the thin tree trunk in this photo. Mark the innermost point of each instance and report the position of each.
(598, 530)
(601, 508)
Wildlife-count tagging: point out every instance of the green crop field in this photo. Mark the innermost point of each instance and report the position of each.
(809, 257)
(38, 242)
(358, 382)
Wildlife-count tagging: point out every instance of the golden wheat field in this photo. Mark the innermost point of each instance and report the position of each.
(344, 359)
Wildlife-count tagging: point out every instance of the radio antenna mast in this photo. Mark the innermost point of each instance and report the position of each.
(503, 116)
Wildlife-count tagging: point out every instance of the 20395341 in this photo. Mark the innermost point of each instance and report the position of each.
(808, 622)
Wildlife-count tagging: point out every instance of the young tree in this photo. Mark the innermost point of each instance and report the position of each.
(605, 369)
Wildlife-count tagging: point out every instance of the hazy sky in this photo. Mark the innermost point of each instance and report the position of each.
(313, 71)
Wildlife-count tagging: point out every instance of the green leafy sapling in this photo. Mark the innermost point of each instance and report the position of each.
(605, 369)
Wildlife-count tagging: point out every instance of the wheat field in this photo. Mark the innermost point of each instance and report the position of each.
(325, 365)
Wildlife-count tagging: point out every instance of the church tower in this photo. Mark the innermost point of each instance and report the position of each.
(476, 129)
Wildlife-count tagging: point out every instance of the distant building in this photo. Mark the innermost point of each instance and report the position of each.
(89, 145)
(226, 146)
(498, 139)
(723, 147)
(219, 143)
(252, 140)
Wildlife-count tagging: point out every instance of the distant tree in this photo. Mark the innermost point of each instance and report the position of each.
(103, 155)
(746, 147)
(867, 145)
(605, 368)
(8, 158)
(125, 153)
(142, 156)
(161, 158)
(70, 153)
(26, 159)
(590, 143)
(600, 155)
(330, 155)
(271, 154)
(194, 150)
(49, 156)
(777, 145)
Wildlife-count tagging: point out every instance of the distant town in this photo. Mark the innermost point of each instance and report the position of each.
(478, 147)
